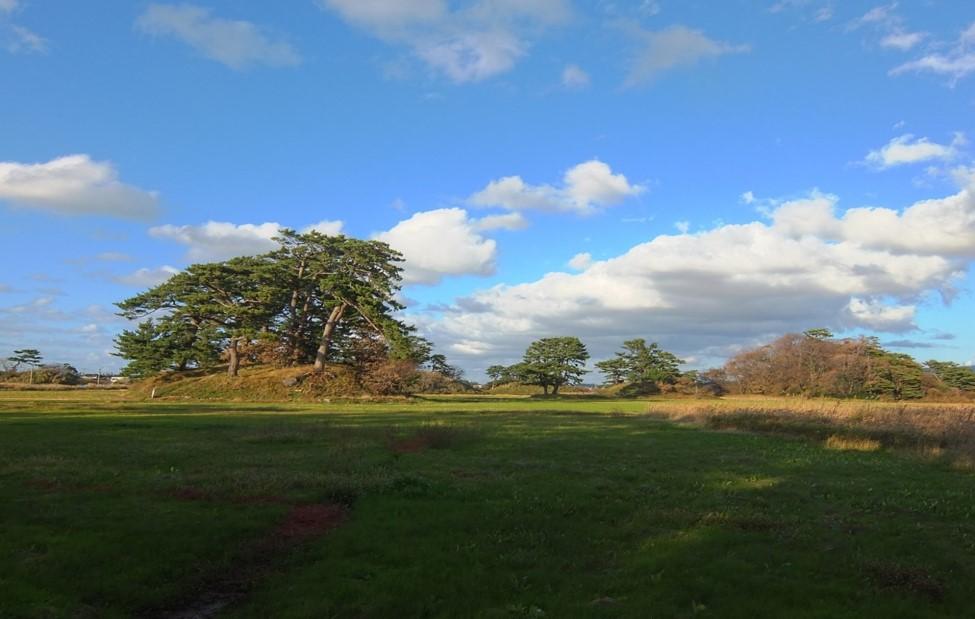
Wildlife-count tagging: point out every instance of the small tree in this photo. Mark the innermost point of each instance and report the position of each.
(614, 369)
(438, 363)
(30, 357)
(553, 362)
(953, 374)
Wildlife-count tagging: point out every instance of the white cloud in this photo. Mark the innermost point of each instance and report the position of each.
(388, 14)
(580, 262)
(821, 13)
(956, 63)
(906, 149)
(15, 38)
(873, 314)
(468, 44)
(62, 335)
(882, 14)
(327, 227)
(902, 41)
(824, 13)
(235, 43)
(683, 226)
(74, 185)
(18, 39)
(439, 243)
(507, 221)
(435, 244)
(735, 284)
(586, 187)
(146, 277)
(217, 240)
(574, 77)
(472, 56)
(673, 47)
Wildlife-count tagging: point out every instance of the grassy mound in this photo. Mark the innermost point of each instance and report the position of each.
(255, 384)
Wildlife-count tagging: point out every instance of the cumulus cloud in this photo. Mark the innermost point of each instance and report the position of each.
(956, 62)
(586, 187)
(907, 149)
(236, 43)
(439, 243)
(574, 77)
(146, 277)
(707, 292)
(507, 221)
(435, 244)
(671, 48)
(580, 262)
(469, 44)
(74, 185)
(328, 227)
(219, 240)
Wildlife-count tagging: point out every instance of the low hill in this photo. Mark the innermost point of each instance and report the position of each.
(254, 384)
(264, 383)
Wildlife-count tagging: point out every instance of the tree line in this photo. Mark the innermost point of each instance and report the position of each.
(814, 363)
(321, 299)
(37, 370)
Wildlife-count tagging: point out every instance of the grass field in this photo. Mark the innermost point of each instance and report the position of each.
(467, 507)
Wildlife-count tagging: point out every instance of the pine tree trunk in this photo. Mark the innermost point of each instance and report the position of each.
(321, 356)
(234, 358)
(294, 328)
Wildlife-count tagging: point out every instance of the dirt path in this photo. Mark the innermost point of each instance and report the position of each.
(216, 593)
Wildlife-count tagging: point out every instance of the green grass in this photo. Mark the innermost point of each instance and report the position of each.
(463, 507)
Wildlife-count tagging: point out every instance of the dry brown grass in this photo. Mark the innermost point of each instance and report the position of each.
(934, 430)
(843, 443)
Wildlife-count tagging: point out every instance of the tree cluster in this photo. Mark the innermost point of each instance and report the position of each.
(549, 363)
(317, 299)
(37, 371)
(556, 361)
(640, 363)
(815, 364)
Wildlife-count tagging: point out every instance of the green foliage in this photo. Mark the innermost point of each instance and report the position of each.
(953, 374)
(502, 374)
(614, 369)
(167, 344)
(553, 362)
(310, 300)
(894, 375)
(641, 364)
(818, 334)
(25, 356)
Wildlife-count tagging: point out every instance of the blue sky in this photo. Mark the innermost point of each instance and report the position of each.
(707, 175)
